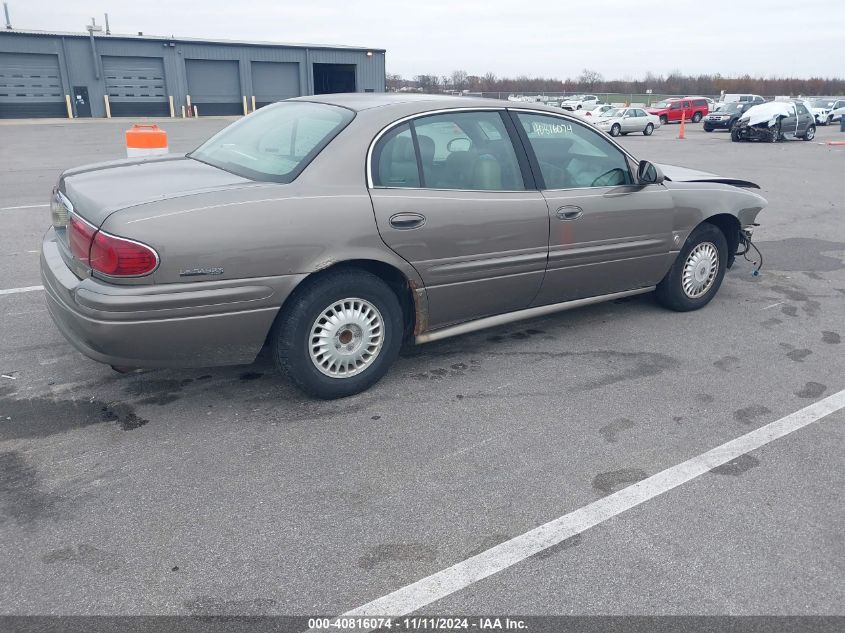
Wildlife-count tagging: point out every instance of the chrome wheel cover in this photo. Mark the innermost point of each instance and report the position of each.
(700, 270)
(346, 338)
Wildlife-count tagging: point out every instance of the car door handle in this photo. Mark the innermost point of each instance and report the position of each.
(404, 221)
(569, 212)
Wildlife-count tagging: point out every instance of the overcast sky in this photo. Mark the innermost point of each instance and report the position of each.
(622, 39)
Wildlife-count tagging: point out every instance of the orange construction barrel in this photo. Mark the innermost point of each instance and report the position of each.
(145, 140)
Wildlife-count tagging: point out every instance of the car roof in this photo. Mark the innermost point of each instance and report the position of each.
(365, 100)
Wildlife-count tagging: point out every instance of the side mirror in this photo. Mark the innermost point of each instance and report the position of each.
(649, 173)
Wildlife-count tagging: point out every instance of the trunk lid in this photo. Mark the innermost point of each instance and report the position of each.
(96, 191)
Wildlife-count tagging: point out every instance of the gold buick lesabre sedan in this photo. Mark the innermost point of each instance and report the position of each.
(334, 228)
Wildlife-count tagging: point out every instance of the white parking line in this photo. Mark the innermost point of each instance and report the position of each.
(14, 291)
(452, 579)
(25, 206)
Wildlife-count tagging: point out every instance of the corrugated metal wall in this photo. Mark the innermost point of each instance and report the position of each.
(78, 64)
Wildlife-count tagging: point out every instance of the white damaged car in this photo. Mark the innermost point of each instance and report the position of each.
(775, 121)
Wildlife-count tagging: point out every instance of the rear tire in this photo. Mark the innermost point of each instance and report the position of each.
(648, 129)
(810, 134)
(696, 117)
(697, 273)
(338, 334)
(615, 129)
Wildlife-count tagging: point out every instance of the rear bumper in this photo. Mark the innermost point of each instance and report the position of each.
(195, 324)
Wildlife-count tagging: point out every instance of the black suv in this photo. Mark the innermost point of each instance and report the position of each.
(726, 117)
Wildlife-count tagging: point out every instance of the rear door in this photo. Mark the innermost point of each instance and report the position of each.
(454, 198)
(607, 234)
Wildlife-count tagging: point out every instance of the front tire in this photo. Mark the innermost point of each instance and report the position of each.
(697, 273)
(338, 334)
(664, 119)
(648, 129)
(707, 128)
(615, 129)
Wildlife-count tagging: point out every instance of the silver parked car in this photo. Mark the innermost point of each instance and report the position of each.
(333, 228)
(626, 120)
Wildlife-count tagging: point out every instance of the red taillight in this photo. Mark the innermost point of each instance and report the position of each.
(80, 235)
(120, 257)
(108, 254)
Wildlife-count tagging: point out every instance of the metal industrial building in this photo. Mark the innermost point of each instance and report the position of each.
(46, 74)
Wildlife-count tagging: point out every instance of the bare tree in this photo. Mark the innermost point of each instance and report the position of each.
(458, 79)
(393, 82)
(589, 78)
(428, 83)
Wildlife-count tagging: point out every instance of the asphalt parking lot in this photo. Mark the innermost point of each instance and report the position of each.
(224, 491)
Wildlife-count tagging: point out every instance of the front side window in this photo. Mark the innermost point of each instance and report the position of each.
(276, 143)
(572, 155)
(456, 150)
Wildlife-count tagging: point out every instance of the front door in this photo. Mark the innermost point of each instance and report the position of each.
(607, 234)
(81, 103)
(450, 197)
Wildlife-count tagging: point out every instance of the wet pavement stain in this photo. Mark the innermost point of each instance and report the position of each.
(42, 417)
(206, 606)
(516, 336)
(796, 355)
(737, 466)
(397, 552)
(811, 390)
(21, 497)
(610, 482)
(705, 398)
(800, 254)
(790, 311)
(831, 338)
(726, 363)
(770, 323)
(250, 375)
(748, 414)
(569, 543)
(93, 558)
(610, 431)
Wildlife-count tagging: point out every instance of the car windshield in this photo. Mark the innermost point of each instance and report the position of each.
(822, 103)
(613, 112)
(733, 107)
(662, 104)
(275, 143)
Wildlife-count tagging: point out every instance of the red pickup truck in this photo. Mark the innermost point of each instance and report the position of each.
(691, 108)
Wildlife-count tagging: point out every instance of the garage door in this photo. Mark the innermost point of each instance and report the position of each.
(30, 86)
(136, 86)
(274, 81)
(214, 86)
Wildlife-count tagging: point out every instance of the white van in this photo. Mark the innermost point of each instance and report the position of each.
(742, 98)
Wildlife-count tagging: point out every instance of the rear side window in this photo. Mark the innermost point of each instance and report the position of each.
(700, 102)
(395, 161)
(276, 143)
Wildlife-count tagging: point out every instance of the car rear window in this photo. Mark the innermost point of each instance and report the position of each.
(275, 143)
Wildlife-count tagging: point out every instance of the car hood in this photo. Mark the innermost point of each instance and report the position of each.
(768, 112)
(684, 174)
(96, 191)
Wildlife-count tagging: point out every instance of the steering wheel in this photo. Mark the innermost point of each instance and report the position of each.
(555, 177)
(459, 138)
(610, 178)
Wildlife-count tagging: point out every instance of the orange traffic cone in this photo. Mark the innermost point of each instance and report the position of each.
(683, 126)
